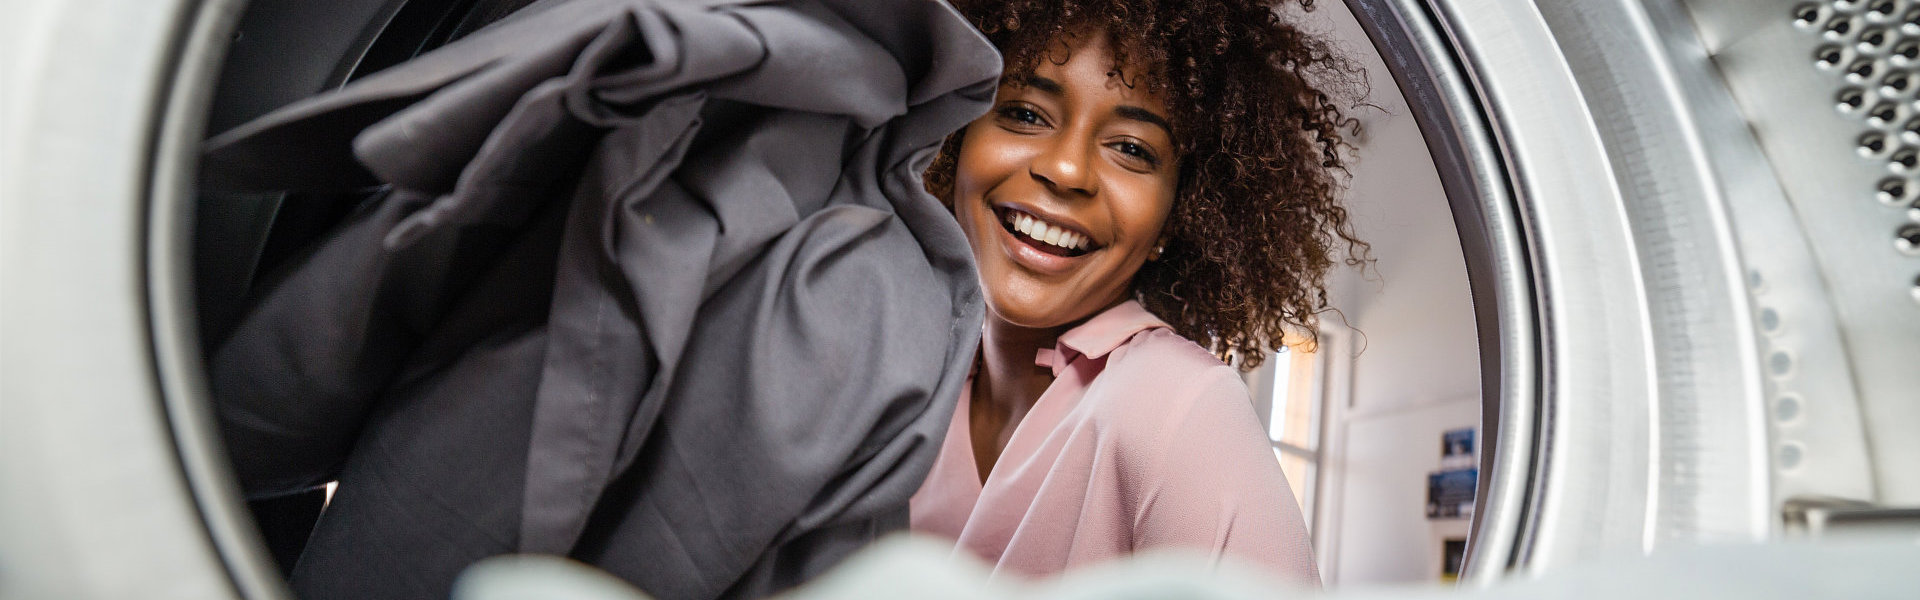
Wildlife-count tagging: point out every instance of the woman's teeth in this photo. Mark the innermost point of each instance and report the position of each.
(1042, 232)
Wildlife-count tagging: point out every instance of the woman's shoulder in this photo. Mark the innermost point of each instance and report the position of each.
(1160, 357)
(1161, 379)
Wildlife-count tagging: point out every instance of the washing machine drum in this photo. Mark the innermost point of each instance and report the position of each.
(1690, 232)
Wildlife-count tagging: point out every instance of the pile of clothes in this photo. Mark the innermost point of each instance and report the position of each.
(654, 285)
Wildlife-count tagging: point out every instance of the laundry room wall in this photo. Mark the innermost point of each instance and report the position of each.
(1403, 366)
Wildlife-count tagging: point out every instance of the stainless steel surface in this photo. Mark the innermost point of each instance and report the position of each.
(1693, 375)
(1653, 97)
(1592, 482)
(1467, 158)
(1633, 340)
(1850, 208)
(1835, 518)
(1588, 486)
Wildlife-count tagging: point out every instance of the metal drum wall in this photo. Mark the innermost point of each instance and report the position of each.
(1692, 225)
(1690, 230)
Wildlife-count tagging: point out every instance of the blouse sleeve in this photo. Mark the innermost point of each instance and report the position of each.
(1218, 487)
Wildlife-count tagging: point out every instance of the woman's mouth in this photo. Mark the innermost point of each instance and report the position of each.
(1043, 236)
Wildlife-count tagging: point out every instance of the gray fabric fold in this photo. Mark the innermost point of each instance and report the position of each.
(652, 284)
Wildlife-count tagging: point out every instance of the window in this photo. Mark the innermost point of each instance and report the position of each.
(1287, 388)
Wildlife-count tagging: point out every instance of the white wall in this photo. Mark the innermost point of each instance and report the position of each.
(1414, 369)
(1384, 534)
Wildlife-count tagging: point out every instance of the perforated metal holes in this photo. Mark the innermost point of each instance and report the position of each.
(1873, 47)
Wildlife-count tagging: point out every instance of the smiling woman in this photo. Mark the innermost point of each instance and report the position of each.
(1251, 139)
(1152, 175)
(1064, 188)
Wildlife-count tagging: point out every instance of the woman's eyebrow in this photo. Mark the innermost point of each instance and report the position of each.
(1043, 84)
(1124, 111)
(1140, 114)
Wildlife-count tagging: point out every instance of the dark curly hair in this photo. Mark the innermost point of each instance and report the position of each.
(1256, 108)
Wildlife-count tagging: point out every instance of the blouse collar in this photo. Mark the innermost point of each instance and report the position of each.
(1099, 335)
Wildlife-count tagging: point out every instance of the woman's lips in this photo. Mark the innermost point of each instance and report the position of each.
(1047, 236)
(1041, 246)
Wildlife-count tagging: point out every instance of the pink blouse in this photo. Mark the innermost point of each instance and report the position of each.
(1143, 441)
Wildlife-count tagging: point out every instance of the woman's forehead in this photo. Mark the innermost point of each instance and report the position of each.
(1098, 45)
(1069, 60)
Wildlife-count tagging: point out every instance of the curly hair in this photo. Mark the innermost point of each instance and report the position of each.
(1256, 108)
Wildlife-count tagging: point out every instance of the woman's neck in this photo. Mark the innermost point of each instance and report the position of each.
(1009, 377)
(1006, 386)
(1008, 383)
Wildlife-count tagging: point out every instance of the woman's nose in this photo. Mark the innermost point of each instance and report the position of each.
(1066, 165)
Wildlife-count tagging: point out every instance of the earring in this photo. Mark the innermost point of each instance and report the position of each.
(1157, 251)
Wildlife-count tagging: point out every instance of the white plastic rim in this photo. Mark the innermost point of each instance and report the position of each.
(1574, 181)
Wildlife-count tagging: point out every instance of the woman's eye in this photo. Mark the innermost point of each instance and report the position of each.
(1137, 151)
(1020, 114)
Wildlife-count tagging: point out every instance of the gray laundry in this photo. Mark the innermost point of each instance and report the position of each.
(650, 284)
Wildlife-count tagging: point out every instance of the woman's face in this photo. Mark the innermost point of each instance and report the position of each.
(1063, 188)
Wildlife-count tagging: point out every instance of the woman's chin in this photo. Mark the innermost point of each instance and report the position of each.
(1024, 299)
(1025, 314)
(1038, 313)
